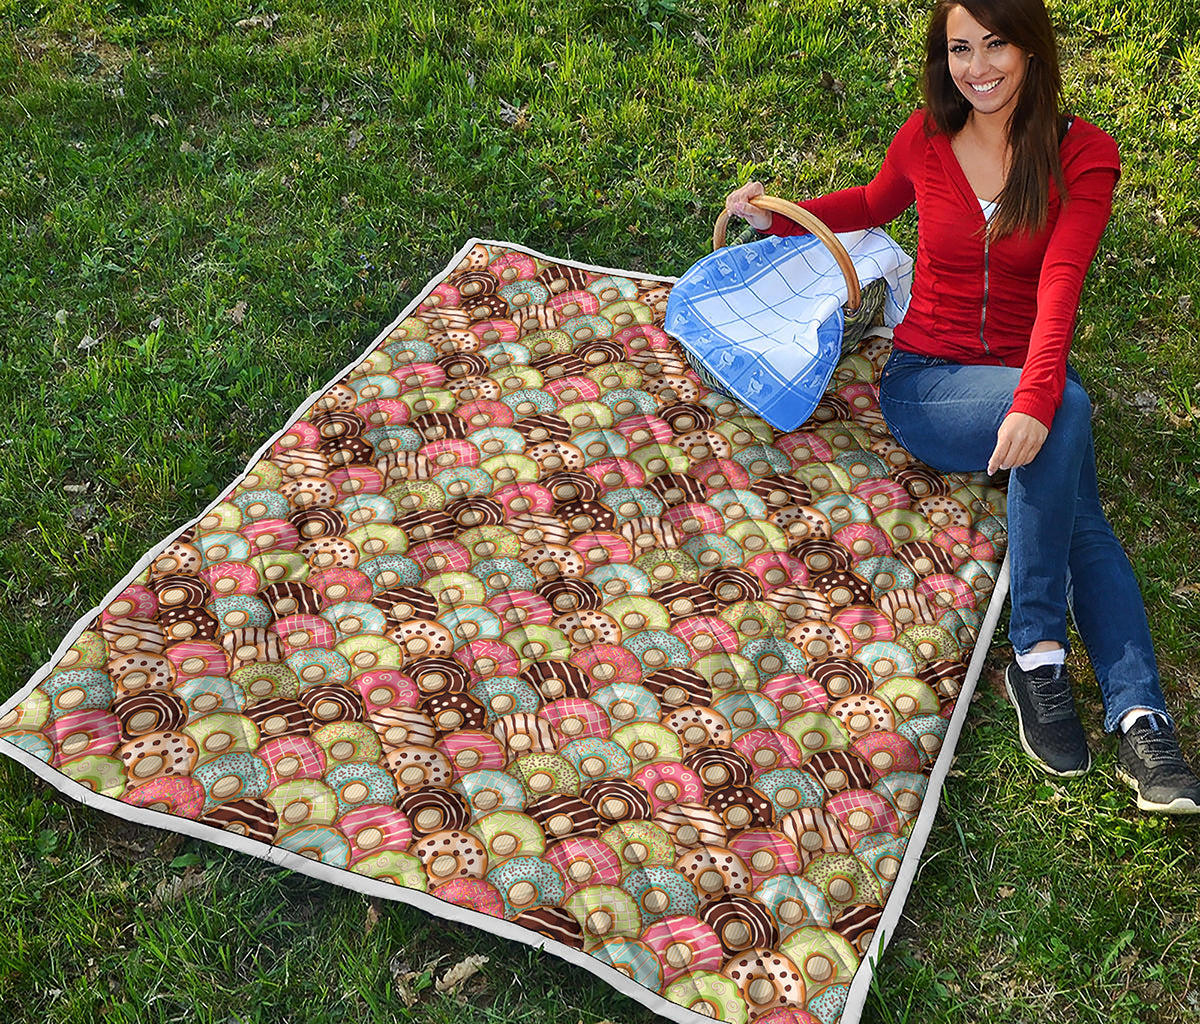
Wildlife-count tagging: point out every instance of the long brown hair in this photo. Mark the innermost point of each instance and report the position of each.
(1036, 125)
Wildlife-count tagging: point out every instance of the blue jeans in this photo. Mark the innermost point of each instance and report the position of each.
(1062, 551)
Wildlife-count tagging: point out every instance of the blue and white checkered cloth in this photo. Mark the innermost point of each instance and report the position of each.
(765, 319)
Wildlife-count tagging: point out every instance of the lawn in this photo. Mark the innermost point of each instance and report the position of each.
(206, 209)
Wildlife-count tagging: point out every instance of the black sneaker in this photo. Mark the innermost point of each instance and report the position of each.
(1050, 730)
(1149, 760)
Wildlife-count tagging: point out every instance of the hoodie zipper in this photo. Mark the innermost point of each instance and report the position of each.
(983, 310)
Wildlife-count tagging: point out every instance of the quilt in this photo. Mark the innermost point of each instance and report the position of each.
(516, 622)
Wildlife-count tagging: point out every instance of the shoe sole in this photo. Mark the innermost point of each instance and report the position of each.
(1180, 805)
(1074, 773)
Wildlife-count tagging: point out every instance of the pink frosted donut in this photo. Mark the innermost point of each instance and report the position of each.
(682, 945)
(720, 475)
(226, 579)
(640, 337)
(863, 540)
(472, 893)
(299, 632)
(352, 480)
(644, 430)
(292, 757)
(695, 519)
(569, 390)
(606, 664)
(965, 544)
(413, 376)
(706, 634)
(521, 608)
(135, 600)
(883, 495)
(768, 749)
(859, 396)
(375, 828)
(471, 750)
(270, 535)
(616, 472)
(513, 266)
(863, 812)
(775, 569)
(864, 625)
(487, 658)
(83, 733)
(340, 584)
(301, 434)
(887, 752)
(795, 694)
(766, 854)
(173, 794)
(583, 862)
(490, 332)
(603, 548)
(197, 658)
(384, 412)
(437, 556)
(449, 453)
(574, 303)
(669, 782)
(443, 295)
(576, 718)
(803, 447)
(517, 499)
(945, 590)
(482, 413)
(387, 688)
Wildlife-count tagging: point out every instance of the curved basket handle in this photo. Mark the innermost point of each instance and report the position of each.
(806, 220)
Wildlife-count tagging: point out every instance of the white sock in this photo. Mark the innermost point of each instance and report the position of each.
(1036, 659)
(1130, 717)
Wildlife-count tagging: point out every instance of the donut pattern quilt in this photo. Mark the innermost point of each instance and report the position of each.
(519, 623)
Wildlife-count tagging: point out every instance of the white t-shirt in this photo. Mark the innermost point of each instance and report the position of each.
(988, 206)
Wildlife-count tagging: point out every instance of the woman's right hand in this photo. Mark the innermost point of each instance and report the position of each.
(737, 204)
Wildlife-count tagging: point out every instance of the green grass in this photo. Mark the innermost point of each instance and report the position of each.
(160, 167)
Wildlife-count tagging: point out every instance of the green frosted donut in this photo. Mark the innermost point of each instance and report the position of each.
(845, 435)
(103, 775)
(528, 402)
(657, 459)
(725, 672)
(512, 468)
(31, 714)
(88, 651)
(928, 642)
(816, 731)
(77, 689)
(265, 680)
(375, 540)
(240, 610)
(280, 567)
(316, 666)
(263, 473)
(710, 994)
(484, 542)
(754, 619)
(862, 465)
(222, 733)
(543, 774)
(548, 343)
(367, 652)
(507, 834)
(635, 613)
(425, 400)
(223, 518)
(648, 741)
(303, 802)
(348, 741)
(416, 496)
(518, 378)
(605, 912)
(629, 402)
(823, 956)
(587, 415)
(538, 643)
(453, 589)
(640, 844)
(908, 696)
(903, 525)
(756, 536)
(318, 842)
(844, 880)
(823, 478)
(747, 430)
(663, 567)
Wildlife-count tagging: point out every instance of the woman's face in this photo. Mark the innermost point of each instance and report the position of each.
(987, 69)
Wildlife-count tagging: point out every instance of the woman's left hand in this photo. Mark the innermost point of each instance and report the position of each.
(1018, 440)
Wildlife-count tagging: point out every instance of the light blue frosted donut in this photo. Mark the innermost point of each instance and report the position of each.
(231, 547)
(403, 439)
(759, 647)
(624, 288)
(754, 506)
(472, 482)
(633, 958)
(926, 733)
(32, 743)
(323, 843)
(486, 622)
(646, 502)
(377, 786)
(873, 467)
(546, 881)
(903, 790)
(368, 508)
(766, 714)
(641, 703)
(519, 575)
(644, 403)
(525, 699)
(979, 576)
(510, 793)
(885, 573)
(204, 695)
(586, 327)
(372, 619)
(252, 773)
(486, 438)
(262, 505)
(256, 610)
(758, 457)
(676, 651)
(422, 351)
(636, 582)
(802, 789)
(877, 656)
(795, 902)
(337, 668)
(406, 569)
(721, 404)
(993, 528)
(827, 1005)
(883, 853)
(540, 401)
(78, 689)
(962, 624)
(616, 760)
(681, 894)
(855, 509)
(728, 551)
(534, 291)
(600, 444)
